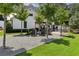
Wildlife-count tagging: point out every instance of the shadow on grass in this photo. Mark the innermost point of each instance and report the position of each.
(59, 41)
(24, 54)
(70, 36)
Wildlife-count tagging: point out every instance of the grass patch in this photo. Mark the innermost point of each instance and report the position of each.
(1, 32)
(66, 46)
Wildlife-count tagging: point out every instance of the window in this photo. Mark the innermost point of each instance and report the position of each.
(30, 14)
(1, 17)
(25, 24)
(66, 22)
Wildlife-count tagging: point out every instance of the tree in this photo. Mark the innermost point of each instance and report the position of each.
(47, 10)
(21, 14)
(74, 19)
(62, 15)
(39, 20)
(5, 10)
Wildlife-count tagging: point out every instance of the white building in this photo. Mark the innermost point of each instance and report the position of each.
(1, 22)
(29, 23)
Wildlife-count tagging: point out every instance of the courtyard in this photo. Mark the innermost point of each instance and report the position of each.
(39, 46)
(16, 44)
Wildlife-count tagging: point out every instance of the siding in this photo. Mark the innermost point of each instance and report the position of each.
(2, 24)
(17, 24)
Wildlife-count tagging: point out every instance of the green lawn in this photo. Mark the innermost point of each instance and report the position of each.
(66, 46)
(1, 33)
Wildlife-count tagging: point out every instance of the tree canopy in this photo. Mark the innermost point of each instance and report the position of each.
(62, 15)
(6, 8)
(47, 10)
(21, 12)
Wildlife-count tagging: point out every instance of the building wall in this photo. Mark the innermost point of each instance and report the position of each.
(30, 21)
(2, 24)
(17, 24)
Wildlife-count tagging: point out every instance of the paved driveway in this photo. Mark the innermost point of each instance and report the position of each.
(17, 44)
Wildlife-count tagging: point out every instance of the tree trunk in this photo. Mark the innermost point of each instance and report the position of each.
(35, 30)
(47, 30)
(39, 30)
(4, 35)
(28, 32)
(21, 28)
(61, 30)
(69, 29)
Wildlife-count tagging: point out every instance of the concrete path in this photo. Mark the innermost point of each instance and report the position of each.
(17, 44)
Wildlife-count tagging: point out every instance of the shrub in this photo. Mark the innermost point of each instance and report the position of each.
(8, 26)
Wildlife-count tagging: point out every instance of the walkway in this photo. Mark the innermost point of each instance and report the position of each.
(18, 44)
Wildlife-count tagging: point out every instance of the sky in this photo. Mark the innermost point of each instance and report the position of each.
(34, 4)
